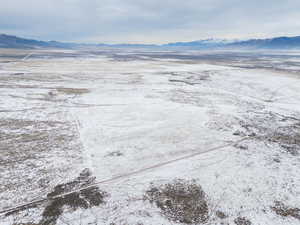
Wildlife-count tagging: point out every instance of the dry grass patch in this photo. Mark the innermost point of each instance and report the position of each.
(273, 128)
(73, 91)
(180, 201)
(242, 221)
(285, 211)
(84, 199)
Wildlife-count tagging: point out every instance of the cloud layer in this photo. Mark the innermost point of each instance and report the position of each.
(145, 21)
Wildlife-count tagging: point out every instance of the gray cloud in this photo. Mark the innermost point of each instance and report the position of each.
(148, 21)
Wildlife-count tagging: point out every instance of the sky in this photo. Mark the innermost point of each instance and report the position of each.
(148, 21)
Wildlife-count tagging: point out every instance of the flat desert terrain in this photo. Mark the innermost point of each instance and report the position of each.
(128, 137)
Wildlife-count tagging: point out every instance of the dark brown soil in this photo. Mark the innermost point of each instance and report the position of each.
(282, 210)
(220, 214)
(115, 153)
(275, 128)
(83, 199)
(242, 221)
(288, 138)
(72, 91)
(180, 201)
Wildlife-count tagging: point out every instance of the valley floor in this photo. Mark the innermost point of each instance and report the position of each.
(188, 138)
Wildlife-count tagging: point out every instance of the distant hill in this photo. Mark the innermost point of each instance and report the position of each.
(271, 43)
(8, 41)
(201, 44)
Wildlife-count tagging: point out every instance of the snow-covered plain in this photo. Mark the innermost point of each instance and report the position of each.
(118, 112)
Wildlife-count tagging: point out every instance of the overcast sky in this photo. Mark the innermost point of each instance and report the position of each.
(148, 21)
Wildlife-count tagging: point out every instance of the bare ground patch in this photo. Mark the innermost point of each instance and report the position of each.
(180, 201)
(30, 150)
(221, 214)
(59, 201)
(73, 91)
(84, 199)
(273, 128)
(242, 221)
(285, 211)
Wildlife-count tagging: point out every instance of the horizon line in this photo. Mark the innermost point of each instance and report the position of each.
(161, 44)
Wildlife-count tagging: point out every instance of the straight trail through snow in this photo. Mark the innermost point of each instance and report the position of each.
(110, 180)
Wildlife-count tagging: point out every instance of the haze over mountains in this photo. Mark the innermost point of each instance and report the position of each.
(9, 41)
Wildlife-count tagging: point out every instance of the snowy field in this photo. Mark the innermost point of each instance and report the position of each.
(149, 138)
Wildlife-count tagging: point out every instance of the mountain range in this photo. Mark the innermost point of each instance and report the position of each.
(9, 41)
